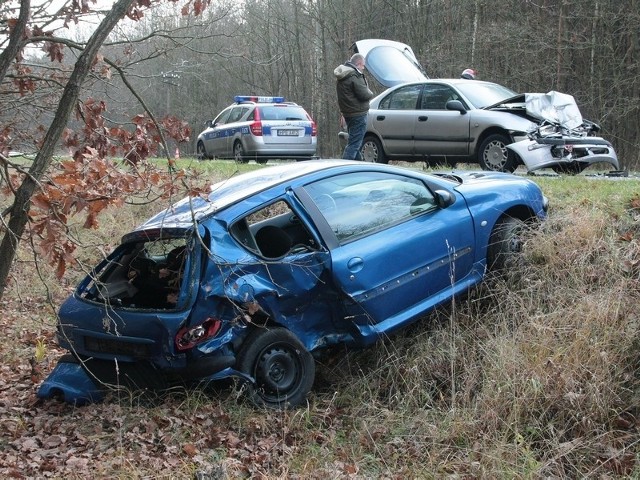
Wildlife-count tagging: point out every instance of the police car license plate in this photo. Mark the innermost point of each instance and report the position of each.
(287, 133)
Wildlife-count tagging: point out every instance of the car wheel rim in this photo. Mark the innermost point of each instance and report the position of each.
(369, 152)
(495, 155)
(277, 371)
(515, 244)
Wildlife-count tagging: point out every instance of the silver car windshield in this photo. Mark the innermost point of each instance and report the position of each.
(484, 94)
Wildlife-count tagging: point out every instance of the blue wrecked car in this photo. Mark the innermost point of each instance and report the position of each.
(279, 264)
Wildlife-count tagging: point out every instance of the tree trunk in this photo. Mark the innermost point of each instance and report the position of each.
(560, 48)
(15, 41)
(20, 209)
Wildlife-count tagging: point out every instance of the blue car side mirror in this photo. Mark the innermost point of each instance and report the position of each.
(444, 198)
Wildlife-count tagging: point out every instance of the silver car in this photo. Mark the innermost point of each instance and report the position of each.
(446, 119)
(458, 120)
(259, 128)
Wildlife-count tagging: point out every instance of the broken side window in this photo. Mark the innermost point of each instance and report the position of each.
(273, 231)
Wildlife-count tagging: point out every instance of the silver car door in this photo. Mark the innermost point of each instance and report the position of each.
(394, 120)
(391, 63)
(439, 131)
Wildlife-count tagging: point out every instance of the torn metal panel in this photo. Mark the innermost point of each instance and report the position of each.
(554, 107)
(590, 150)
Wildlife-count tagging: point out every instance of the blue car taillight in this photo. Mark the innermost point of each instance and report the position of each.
(188, 337)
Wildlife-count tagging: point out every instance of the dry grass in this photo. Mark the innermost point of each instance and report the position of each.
(533, 375)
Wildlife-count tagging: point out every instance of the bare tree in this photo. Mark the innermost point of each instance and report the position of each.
(31, 180)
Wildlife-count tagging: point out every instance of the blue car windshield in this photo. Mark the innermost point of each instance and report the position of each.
(484, 94)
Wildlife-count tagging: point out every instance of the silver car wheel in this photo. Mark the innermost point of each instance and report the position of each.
(493, 154)
(369, 152)
(372, 151)
(496, 155)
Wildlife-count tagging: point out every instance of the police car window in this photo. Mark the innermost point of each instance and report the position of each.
(404, 98)
(222, 118)
(236, 114)
(282, 112)
(359, 204)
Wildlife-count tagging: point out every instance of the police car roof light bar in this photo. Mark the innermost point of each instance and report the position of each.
(253, 98)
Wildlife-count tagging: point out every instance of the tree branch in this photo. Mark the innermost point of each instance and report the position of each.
(16, 40)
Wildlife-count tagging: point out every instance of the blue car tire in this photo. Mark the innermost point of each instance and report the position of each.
(505, 244)
(283, 369)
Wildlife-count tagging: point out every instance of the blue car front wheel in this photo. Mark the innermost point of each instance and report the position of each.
(283, 369)
(505, 244)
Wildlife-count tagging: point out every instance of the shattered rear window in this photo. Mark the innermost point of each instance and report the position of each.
(145, 274)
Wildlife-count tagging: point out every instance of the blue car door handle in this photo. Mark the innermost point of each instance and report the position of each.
(355, 264)
(423, 118)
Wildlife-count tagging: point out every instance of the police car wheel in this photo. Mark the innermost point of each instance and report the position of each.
(238, 153)
(201, 152)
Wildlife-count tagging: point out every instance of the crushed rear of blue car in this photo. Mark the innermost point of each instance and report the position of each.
(277, 265)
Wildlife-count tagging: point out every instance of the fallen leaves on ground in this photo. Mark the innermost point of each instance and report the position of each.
(126, 436)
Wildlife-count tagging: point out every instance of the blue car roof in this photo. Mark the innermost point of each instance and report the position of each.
(190, 210)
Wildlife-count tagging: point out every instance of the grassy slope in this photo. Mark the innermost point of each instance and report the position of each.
(530, 376)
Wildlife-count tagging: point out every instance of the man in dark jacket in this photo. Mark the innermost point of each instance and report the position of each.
(353, 101)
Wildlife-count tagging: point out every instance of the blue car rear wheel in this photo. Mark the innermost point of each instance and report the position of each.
(283, 369)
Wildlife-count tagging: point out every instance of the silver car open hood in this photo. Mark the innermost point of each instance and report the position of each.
(511, 102)
(390, 63)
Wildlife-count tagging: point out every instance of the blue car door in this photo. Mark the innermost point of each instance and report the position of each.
(396, 252)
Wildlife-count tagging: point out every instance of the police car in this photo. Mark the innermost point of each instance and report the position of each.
(259, 128)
